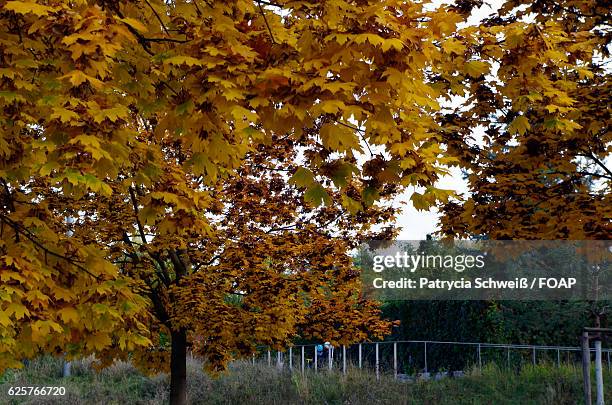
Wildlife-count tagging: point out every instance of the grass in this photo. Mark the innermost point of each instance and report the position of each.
(246, 384)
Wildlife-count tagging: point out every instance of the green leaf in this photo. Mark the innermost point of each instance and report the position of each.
(186, 107)
(370, 195)
(342, 173)
(48, 167)
(419, 201)
(339, 138)
(351, 205)
(317, 195)
(302, 178)
(520, 124)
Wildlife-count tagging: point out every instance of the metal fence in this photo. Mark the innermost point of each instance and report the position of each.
(421, 357)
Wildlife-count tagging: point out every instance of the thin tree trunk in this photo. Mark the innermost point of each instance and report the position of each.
(178, 368)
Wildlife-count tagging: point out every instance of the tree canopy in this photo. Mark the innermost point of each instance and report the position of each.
(538, 169)
(200, 169)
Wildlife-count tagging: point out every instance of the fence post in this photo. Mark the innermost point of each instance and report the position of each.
(395, 360)
(315, 357)
(290, 358)
(269, 359)
(558, 358)
(253, 358)
(425, 355)
(330, 357)
(586, 368)
(377, 366)
(599, 373)
(359, 355)
(533, 355)
(479, 358)
(303, 359)
(608, 359)
(343, 359)
(66, 369)
(279, 360)
(508, 357)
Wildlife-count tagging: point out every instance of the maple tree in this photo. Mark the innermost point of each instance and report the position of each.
(138, 201)
(533, 132)
(267, 265)
(157, 152)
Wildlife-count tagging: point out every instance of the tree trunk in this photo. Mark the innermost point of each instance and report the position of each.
(178, 368)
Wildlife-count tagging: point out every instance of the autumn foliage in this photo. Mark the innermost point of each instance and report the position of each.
(198, 171)
(534, 136)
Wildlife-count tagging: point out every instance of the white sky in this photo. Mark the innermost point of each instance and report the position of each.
(415, 225)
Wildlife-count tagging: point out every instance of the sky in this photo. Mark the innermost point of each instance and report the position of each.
(415, 225)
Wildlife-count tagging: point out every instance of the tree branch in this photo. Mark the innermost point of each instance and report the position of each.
(158, 305)
(211, 261)
(138, 223)
(32, 238)
(179, 266)
(158, 17)
(144, 41)
(294, 226)
(263, 14)
(599, 163)
(165, 277)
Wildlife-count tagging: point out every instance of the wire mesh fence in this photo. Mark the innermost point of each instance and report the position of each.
(421, 357)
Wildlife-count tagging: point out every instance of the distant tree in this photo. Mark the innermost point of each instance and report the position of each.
(539, 170)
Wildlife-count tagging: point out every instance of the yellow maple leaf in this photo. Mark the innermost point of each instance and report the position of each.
(77, 77)
(137, 25)
(18, 310)
(183, 60)
(520, 124)
(64, 115)
(476, 68)
(339, 137)
(4, 318)
(98, 341)
(390, 43)
(22, 7)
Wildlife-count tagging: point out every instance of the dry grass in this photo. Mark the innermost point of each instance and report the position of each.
(246, 384)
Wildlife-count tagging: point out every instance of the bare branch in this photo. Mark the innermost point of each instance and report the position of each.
(165, 277)
(158, 17)
(599, 163)
(263, 14)
(138, 223)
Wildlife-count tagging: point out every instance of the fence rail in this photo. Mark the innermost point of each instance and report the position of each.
(420, 357)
